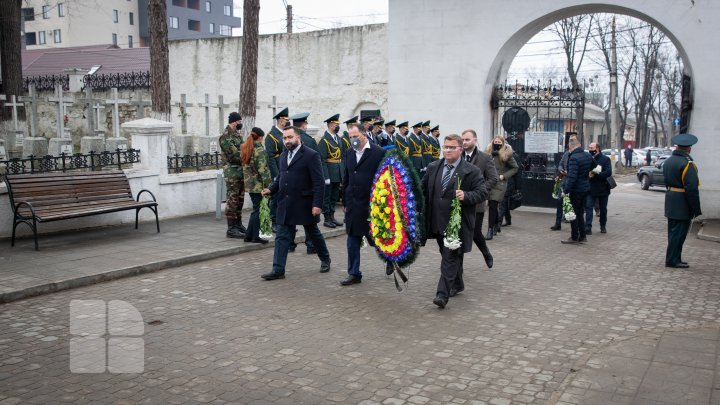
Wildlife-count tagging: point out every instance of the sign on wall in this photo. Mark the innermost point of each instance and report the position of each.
(543, 142)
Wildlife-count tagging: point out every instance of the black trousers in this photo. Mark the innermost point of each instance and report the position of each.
(577, 227)
(677, 232)
(478, 236)
(492, 213)
(451, 270)
(332, 194)
(253, 228)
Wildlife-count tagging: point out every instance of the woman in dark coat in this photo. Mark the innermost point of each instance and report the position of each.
(506, 167)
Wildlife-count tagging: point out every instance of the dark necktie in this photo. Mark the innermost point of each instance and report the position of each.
(467, 157)
(446, 176)
(290, 153)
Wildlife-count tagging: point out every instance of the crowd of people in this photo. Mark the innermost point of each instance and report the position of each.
(304, 178)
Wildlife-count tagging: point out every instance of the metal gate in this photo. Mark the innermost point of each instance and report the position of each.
(536, 121)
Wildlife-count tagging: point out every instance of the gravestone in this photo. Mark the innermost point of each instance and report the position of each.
(204, 142)
(62, 141)
(13, 138)
(182, 144)
(93, 142)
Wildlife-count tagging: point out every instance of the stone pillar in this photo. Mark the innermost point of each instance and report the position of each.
(151, 137)
(3, 151)
(92, 144)
(112, 144)
(182, 145)
(59, 145)
(75, 79)
(36, 146)
(207, 144)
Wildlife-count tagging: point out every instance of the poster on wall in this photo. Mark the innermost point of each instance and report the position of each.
(543, 142)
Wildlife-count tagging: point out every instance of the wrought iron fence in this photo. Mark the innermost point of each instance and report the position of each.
(47, 82)
(93, 161)
(121, 81)
(197, 161)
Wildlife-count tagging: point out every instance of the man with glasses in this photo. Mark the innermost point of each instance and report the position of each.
(445, 180)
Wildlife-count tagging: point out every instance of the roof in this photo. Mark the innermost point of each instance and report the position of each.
(54, 61)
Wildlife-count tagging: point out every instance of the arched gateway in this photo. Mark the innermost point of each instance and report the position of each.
(446, 56)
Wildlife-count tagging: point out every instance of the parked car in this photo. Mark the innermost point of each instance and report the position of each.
(654, 154)
(652, 175)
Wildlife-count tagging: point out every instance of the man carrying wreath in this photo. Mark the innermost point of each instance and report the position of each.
(445, 180)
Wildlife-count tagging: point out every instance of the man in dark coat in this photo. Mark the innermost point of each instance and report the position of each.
(299, 187)
(440, 185)
(331, 155)
(361, 163)
(577, 185)
(299, 120)
(682, 200)
(599, 189)
(628, 156)
(473, 154)
(274, 147)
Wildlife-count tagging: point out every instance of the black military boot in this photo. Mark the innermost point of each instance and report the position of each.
(489, 235)
(239, 225)
(332, 215)
(233, 231)
(329, 222)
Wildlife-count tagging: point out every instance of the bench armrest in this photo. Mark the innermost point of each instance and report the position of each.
(145, 191)
(17, 206)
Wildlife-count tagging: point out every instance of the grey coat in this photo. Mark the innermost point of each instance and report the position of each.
(486, 165)
(506, 166)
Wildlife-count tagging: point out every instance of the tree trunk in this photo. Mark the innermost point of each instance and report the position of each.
(159, 60)
(10, 56)
(248, 74)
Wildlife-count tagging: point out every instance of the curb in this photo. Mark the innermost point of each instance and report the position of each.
(49, 288)
(710, 230)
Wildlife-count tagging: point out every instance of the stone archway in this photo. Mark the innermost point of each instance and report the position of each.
(447, 70)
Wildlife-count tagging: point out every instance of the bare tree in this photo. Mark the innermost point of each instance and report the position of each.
(574, 33)
(646, 43)
(159, 59)
(10, 55)
(248, 74)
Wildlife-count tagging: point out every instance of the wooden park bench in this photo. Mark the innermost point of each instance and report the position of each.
(48, 197)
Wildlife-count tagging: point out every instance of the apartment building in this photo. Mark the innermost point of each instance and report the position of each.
(123, 23)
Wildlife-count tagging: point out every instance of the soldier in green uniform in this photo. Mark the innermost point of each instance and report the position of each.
(274, 147)
(257, 177)
(427, 154)
(299, 120)
(416, 148)
(230, 143)
(367, 126)
(389, 132)
(682, 200)
(435, 142)
(345, 138)
(401, 139)
(331, 154)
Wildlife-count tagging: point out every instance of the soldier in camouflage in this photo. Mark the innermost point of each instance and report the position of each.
(230, 143)
(257, 177)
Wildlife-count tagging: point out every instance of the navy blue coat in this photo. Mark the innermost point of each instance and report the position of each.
(598, 183)
(357, 181)
(578, 170)
(299, 187)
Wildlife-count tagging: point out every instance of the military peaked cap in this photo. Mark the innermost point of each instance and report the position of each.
(684, 140)
(284, 113)
(300, 117)
(335, 118)
(352, 120)
(435, 128)
(403, 124)
(426, 124)
(387, 124)
(418, 125)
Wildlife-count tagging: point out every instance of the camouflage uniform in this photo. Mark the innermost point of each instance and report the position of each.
(230, 142)
(257, 177)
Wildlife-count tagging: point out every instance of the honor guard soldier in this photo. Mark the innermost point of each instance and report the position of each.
(425, 136)
(435, 142)
(416, 148)
(274, 147)
(401, 140)
(331, 153)
(380, 136)
(367, 127)
(345, 137)
(682, 200)
(389, 131)
(299, 120)
(230, 142)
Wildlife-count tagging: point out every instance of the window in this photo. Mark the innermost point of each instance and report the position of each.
(130, 42)
(179, 3)
(225, 30)
(30, 38)
(194, 4)
(56, 36)
(208, 6)
(194, 25)
(28, 14)
(212, 28)
(115, 16)
(227, 10)
(61, 9)
(174, 22)
(41, 38)
(46, 12)
(114, 39)
(132, 19)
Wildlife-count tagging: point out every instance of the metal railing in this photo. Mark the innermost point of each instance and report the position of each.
(197, 161)
(92, 161)
(47, 82)
(121, 81)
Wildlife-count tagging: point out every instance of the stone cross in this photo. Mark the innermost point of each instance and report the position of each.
(61, 101)
(274, 106)
(207, 105)
(222, 108)
(31, 101)
(141, 104)
(90, 105)
(115, 101)
(14, 105)
(183, 104)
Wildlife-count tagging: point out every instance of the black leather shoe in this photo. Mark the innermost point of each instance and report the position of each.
(291, 248)
(261, 241)
(680, 265)
(569, 241)
(351, 280)
(272, 276)
(603, 230)
(497, 229)
(389, 269)
(488, 260)
(683, 262)
(240, 227)
(325, 267)
(489, 235)
(440, 301)
(454, 292)
(329, 223)
(555, 227)
(335, 221)
(583, 240)
(588, 232)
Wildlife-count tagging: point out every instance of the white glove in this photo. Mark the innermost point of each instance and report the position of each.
(327, 182)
